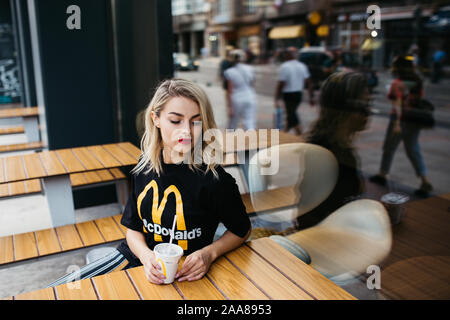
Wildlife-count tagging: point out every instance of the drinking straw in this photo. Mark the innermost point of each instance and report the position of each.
(173, 229)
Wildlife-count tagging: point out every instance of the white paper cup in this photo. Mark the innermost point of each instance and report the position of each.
(167, 256)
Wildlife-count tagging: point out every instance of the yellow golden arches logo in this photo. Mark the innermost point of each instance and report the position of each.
(158, 208)
(163, 266)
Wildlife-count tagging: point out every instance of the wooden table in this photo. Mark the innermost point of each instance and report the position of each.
(53, 168)
(258, 270)
(239, 148)
(29, 117)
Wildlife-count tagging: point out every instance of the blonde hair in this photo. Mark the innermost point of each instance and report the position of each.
(151, 142)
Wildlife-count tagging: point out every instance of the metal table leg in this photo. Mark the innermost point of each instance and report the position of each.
(58, 192)
(31, 126)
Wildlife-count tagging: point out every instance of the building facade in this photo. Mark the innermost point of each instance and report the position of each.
(189, 21)
(262, 28)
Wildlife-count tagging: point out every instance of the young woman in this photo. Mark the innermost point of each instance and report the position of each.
(344, 111)
(169, 181)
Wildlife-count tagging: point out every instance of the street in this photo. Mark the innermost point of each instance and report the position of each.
(435, 143)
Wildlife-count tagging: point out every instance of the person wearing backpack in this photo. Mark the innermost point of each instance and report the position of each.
(406, 94)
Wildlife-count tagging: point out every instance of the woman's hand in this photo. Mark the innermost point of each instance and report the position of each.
(195, 266)
(152, 268)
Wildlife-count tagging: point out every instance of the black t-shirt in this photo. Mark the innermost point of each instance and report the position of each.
(349, 185)
(200, 201)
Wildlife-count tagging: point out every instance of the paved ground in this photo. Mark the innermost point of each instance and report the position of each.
(31, 213)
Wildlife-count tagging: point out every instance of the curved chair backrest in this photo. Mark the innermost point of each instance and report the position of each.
(312, 169)
(353, 237)
(366, 217)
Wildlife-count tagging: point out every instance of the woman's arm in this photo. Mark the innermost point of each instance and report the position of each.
(197, 264)
(136, 243)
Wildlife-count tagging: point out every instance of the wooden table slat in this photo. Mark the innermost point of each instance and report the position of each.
(77, 179)
(43, 294)
(51, 163)
(2, 171)
(18, 112)
(4, 190)
(117, 219)
(25, 246)
(115, 286)
(6, 249)
(309, 279)
(120, 154)
(105, 175)
(265, 275)
(70, 161)
(117, 173)
(14, 168)
(68, 237)
(47, 242)
(109, 229)
(34, 166)
(233, 283)
(259, 202)
(150, 291)
(82, 290)
(87, 159)
(17, 188)
(92, 177)
(12, 130)
(33, 186)
(132, 150)
(89, 233)
(107, 160)
(201, 289)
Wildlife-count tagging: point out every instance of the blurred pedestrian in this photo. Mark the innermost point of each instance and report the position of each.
(224, 65)
(241, 96)
(344, 111)
(293, 76)
(438, 63)
(405, 94)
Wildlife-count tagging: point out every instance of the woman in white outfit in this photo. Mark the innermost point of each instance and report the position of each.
(241, 96)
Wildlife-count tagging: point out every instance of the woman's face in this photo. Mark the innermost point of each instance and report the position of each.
(180, 125)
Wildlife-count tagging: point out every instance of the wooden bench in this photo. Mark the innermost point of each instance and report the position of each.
(29, 118)
(37, 145)
(78, 180)
(60, 239)
(12, 130)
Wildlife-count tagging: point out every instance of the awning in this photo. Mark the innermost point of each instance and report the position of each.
(287, 32)
(248, 31)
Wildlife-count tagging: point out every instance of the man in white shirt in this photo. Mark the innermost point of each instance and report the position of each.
(292, 78)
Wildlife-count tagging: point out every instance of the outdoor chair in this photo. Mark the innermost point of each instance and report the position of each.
(346, 243)
(311, 171)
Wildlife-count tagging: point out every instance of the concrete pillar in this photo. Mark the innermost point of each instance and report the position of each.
(193, 41)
